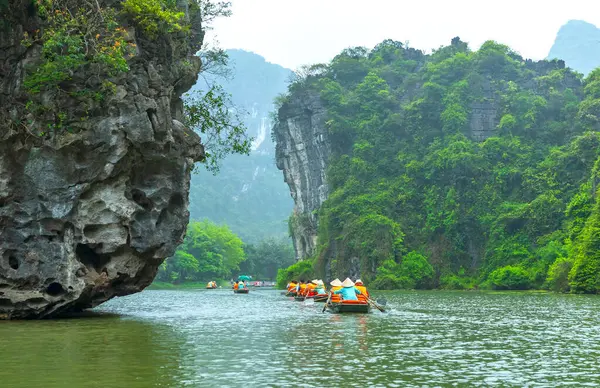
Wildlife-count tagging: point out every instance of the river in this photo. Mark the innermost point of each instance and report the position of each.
(214, 338)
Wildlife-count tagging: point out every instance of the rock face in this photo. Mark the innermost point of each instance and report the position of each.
(90, 215)
(302, 152)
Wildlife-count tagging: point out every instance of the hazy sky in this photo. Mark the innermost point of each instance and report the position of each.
(296, 32)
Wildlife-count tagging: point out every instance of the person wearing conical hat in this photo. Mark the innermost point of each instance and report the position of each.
(320, 289)
(348, 292)
(364, 294)
(335, 285)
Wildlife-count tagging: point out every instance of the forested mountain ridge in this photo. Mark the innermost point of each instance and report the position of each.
(248, 193)
(578, 44)
(457, 169)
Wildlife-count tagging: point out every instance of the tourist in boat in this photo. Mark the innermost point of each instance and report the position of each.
(301, 288)
(241, 285)
(310, 288)
(335, 285)
(291, 287)
(364, 294)
(348, 291)
(320, 288)
(235, 286)
(359, 284)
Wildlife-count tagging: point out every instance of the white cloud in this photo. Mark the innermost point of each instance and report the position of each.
(296, 32)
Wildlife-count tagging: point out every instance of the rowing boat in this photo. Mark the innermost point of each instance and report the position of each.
(350, 306)
(242, 291)
(321, 298)
(299, 298)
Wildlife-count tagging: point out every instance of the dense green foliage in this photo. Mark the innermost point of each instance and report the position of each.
(302, 270)
(212, 251)
(208, 251)
(267, 257)
(248, 194)
(222, 132)
(479, 160)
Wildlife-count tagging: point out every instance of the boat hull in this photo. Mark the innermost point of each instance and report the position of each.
(244, 291)
(299, 298)
(290, 294)
(346, 307)
(321, 298)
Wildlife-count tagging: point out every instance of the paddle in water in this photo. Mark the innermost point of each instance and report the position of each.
(372, 303)
(327, 302)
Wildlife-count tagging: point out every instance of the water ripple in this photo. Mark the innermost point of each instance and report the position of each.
(214, 338)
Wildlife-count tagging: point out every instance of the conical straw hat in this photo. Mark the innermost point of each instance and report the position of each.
(348, 283)
(336, 283)
(358, 281)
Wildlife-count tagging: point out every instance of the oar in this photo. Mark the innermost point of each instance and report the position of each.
(327, 302)
(375, 305)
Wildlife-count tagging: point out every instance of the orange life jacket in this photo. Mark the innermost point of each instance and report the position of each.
(335, 298)
(364, 294)
(302, 289)
(310, 289)
(292, 287)
(235, 286)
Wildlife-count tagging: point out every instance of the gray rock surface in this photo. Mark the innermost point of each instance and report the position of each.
(90, 214)
(302, 153)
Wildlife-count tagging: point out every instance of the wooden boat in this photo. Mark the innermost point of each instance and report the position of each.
(350, 306)
(299, 298)
(321, 298)
(242, 291)
(211, 288)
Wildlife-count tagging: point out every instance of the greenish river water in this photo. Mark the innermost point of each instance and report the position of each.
(214, 338)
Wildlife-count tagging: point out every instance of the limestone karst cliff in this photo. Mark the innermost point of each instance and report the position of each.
(90, 208)
(387, 153)
(302, 153)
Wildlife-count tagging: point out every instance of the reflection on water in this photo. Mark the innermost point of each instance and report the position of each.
(93, 351)
(214, 338)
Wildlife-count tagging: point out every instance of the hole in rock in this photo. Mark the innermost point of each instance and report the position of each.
(140, 198)
(55, 289)
(151, 112)
(176, 200)
(13, 262)
(88, 257)
(5, 303)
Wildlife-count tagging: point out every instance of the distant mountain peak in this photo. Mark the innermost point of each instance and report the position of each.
(578, 44)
